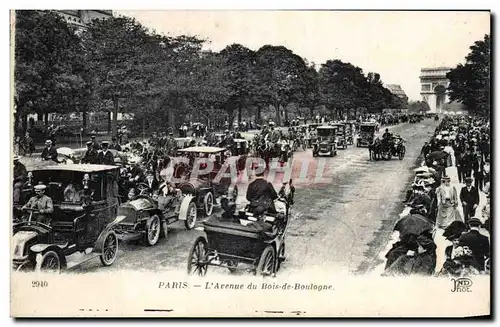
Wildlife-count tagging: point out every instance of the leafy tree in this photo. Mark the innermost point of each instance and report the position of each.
(280, 74)
(342, 86)
(50, 71)
(470, 82)
(113, 49)
(418, 106)
(242, 79)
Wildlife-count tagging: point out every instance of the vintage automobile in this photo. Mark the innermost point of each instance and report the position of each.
(341, 135)
(326, 143)
(85, 198)
(349, 132)
(207, 189)
(366, 134)
(147, 217)
(237, 242)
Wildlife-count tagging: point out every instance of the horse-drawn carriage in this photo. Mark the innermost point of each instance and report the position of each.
(366, 134)
(240, 241)
(85, 198)
(326, 143)
(387, 148)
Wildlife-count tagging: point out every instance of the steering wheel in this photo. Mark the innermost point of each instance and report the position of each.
(142, 188)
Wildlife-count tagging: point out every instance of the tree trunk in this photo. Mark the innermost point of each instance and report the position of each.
(24, 123)
(39, 116)
(258, 116)
(115, 116)
(239, 113)
(84, 121)
(278, 116)
(46, 118)
(230, 118)
(109, 122)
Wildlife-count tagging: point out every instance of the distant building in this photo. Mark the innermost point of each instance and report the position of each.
(397, 91)
(80, 18)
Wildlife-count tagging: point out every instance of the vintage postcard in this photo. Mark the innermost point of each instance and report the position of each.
(175, 163)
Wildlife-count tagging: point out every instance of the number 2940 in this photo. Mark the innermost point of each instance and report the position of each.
(39, 283)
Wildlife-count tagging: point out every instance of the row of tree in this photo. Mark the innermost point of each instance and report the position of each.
(118, 65)
(470, 83)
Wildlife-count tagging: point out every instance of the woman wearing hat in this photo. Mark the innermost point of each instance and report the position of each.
(447, 204)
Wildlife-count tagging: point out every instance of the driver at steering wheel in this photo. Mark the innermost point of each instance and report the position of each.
(261, 193)
(42, 204)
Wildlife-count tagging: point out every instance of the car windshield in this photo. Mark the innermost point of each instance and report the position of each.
(367, 128)
(325, 132)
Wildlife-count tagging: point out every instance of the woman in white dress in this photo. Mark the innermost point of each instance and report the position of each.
(447, 204)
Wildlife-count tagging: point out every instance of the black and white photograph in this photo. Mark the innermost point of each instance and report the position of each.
(250, 163)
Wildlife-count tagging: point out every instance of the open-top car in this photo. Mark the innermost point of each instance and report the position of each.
(366, 134)
(349, 132)
(147, 217)
(326, 143)
(85, 199)
(207, 189)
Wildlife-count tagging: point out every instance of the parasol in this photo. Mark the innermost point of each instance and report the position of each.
(414, 224)
(65, 151)
(422, 169)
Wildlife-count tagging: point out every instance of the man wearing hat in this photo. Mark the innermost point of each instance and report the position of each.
(469, 196)
(105, 157)
(477, 243)
(95, 145)
(42, 204)
(114, 145)
(91, 154)
(152, 182)
(261, 193)
(20, 173)
(49, 152)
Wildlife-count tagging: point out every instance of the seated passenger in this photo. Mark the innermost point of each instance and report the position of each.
(261, 193)
(71, 194)
(260, 224)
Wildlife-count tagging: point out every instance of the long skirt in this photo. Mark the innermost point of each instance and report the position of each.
(447, 213)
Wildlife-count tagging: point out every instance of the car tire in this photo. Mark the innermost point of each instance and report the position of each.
(49, 262)
(208, 203)
(192, 215)
(153, 230)
(109, 249)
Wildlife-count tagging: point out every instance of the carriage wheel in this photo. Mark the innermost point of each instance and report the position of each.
(281, 255)
(198, 255)
(267, 262)
(109, 249)
(192, 213)
(50, 262)
(152, 234)
(235, 192)
(402, 152)
(208, 203)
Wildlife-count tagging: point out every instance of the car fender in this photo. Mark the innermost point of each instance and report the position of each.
(117, 221)
(38, 249)
(184, 206)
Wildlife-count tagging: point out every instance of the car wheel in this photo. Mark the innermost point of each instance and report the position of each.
(208, 203)
(267, 262)
(192, 213)
(153, 228)
(109, 249)
(49, 262)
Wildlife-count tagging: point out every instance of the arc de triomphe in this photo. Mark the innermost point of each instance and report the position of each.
(433, 84)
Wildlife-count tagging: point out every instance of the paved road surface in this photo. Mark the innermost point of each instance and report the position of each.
(339, 226)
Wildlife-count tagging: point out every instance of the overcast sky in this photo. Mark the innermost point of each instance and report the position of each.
(394, 44)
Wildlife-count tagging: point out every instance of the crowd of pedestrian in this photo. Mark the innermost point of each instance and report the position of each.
(460, 150)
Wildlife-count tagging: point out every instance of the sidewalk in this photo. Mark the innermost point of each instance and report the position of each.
(440, 241)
